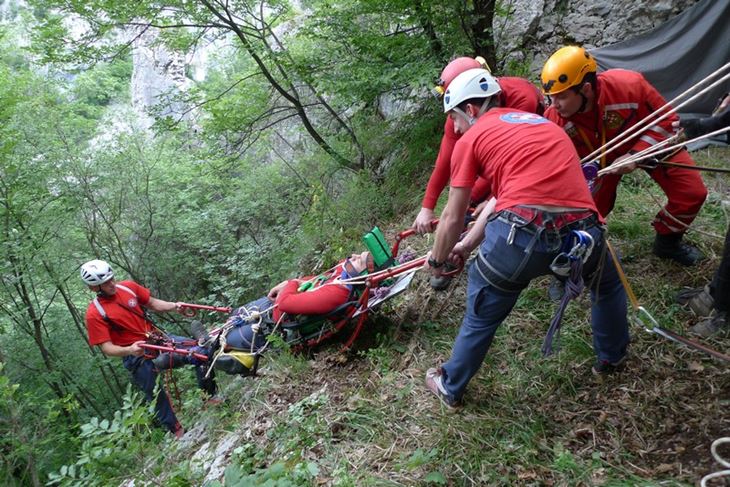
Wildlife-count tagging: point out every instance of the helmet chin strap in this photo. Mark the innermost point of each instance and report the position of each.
(463, 114)
(472, 120)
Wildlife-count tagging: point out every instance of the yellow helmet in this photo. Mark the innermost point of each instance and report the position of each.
(566, 68)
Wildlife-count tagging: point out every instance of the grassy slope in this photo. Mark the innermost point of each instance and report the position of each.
(366, 418)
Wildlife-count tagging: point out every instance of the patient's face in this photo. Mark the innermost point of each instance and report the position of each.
(359, 262)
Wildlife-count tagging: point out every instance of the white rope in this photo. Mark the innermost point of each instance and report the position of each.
(363, 279)
(263, 349)
(643, 155)
(718, 459)
(644, 123)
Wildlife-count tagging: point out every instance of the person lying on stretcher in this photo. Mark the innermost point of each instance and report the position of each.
(247, 326)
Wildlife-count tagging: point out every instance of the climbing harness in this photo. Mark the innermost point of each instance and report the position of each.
(568, 264)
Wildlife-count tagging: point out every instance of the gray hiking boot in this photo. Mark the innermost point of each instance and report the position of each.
(715, 323)
(198, 331)
(699, 300)
(442, 282)
(434, 384)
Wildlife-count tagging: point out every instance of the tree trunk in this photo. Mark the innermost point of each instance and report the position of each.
(482, 34)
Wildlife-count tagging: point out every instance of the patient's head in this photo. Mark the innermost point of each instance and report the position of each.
(357, 263)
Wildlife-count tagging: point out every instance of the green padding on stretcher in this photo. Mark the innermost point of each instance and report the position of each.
(378, 247)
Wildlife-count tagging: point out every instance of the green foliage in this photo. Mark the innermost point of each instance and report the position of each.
(276, 475)
(303, 429)
(103, 84)
(33, 432)
(111, 449)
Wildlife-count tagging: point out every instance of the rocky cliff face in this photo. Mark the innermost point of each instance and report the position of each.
(158, 78)
(536, 28)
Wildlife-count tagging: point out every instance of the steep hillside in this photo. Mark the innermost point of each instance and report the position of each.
(365, 418)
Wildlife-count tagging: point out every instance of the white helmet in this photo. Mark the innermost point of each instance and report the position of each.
(472, 83)
(96, 272)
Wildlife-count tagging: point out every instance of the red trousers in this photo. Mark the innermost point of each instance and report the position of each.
(684, 189)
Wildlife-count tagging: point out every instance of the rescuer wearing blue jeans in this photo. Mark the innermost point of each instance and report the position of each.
(541, 202)
(502, 271)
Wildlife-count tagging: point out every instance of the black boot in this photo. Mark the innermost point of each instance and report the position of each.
(671, 247)
(168, 360)
(198, 331)
(231, 366)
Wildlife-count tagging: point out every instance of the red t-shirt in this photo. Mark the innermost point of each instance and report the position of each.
(623, 99)
(516, 93)
(319, 301)
(526, 160)
(123, 310)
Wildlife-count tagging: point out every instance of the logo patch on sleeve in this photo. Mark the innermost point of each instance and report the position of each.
(517, 117)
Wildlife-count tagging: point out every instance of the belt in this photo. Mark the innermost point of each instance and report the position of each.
(546, 219)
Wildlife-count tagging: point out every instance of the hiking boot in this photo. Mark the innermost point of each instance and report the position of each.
(442, 282)
(168, 360)
(435, 385)
(197, 330)
(715, 323)
(603, 368)
(214, 400)
(556, 290)
(671, 247)
(230, 366)
(699, 300)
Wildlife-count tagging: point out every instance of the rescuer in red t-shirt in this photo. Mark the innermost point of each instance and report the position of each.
(117, 324)
(542, 202)
(596, 108)
(516, 93)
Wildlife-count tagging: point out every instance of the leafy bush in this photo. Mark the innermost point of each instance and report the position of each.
(111, 449)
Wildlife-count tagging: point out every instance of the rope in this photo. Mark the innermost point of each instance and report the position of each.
(719, 459)
(681, 223)
(643, 124)
(568, 263)
(622, 276)
(658, 149)
(687, 166)
(653, 325)
(573, 287)
(650, 153)
(263, 349)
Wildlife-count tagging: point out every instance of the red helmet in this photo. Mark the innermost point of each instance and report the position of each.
(454, 69)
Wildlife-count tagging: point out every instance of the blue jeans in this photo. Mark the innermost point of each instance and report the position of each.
(144, 376)
(241, 336)
(508, 264)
